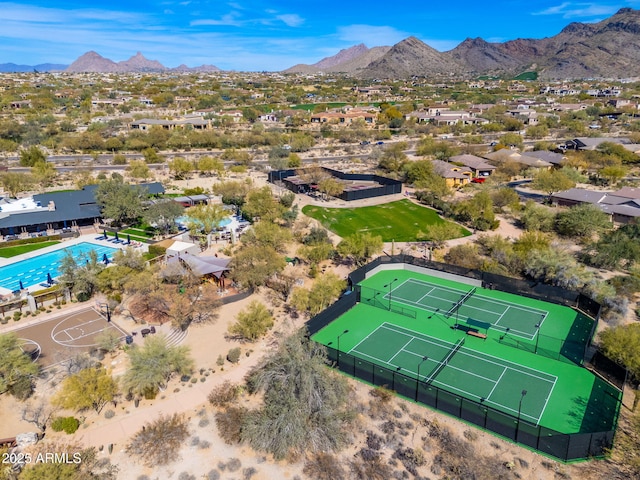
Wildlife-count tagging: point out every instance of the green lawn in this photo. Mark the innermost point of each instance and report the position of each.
(400, 221)
(8, 252)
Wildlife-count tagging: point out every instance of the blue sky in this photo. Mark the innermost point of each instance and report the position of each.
(253, 35)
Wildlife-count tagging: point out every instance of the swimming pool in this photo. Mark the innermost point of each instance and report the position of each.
(33, 271)
(184, 220)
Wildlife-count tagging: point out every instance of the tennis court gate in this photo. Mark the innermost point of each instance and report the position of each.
(563, 446)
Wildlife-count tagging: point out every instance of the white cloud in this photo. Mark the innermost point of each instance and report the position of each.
(291, 19)
(230, 19)
(570, 10)
(372, 36)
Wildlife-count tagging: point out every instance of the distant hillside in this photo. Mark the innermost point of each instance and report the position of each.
(94, 62)
(607, 49)
(357, 64)
(348, 60)
(41, 67)
(411, 57)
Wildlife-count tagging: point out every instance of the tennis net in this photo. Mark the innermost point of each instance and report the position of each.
(460, 302)
(444, 362)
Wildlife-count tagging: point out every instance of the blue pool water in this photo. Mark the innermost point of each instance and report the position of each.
(185, 219)
(33, 271)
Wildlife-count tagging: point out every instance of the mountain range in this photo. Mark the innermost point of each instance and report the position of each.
(94, 62)
(607, 49)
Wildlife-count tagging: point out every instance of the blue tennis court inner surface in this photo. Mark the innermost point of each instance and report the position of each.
(35, 270)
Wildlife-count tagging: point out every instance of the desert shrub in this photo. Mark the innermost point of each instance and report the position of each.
(220, 361)
(158, 441)
(204, 444)
(324, 466)
(369, 470)
(186, 476)
(68, 425)
(382, 393)
(248, 473)
(22, 388)
(410, 458)
(229, 424)
(253, 322)
(225, 394)
(374, 441)
(213, 475)
(306, 408)
(109, 414)
(234, 355)
(234, 464)
(203, 422)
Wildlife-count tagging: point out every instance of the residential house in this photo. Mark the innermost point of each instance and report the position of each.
(623, 206)
(446, 117)
(554, 158)
(197, 123)
(342, 118)
(454, 175)
(591, 143)
(478, 166)
(507, 155)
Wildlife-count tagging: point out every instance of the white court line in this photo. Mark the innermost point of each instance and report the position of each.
(402, 349)
(485, 356)
(358, 344)
(427, 308)
(504, 364)
(500, 317)
(547, 401)
(453, 367)
(497, 381)
(425, 295)
(376, 359)
(512, 331)
(441, 287)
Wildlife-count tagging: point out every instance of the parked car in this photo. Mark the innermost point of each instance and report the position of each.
(478, 180)
(379, 143)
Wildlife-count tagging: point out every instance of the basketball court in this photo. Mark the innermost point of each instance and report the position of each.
(54, 341)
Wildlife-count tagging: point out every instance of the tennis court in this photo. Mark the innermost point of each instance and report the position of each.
(468, 306)
(417, 332)
(490, 380)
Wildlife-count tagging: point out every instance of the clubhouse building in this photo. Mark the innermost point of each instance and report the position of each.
(55, 212)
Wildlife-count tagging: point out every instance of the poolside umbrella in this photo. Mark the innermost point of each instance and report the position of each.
(21, 285)
(117, 236)
(104, 232)
(128, 239)
(105, 259)
(49, 279)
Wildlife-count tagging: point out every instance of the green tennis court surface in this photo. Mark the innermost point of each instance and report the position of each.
(475, 375)
(529, 324)
(520, 320)
(511, 354)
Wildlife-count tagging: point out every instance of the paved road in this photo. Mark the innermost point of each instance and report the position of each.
(525, 193)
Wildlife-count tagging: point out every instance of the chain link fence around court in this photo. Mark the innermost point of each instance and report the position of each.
(566, 447)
